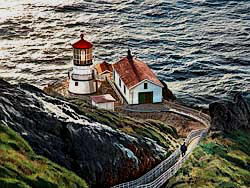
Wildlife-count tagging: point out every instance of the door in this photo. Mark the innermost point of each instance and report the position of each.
(145, 97)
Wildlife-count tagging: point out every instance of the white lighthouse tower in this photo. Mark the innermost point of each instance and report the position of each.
(82, 77)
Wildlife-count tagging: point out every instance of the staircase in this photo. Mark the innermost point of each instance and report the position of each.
(112, 84)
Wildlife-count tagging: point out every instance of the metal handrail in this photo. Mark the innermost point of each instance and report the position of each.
(171, 171)
(82, 77)
(165, 170)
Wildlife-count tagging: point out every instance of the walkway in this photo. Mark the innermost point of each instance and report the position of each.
(161, 107)
(156, 177)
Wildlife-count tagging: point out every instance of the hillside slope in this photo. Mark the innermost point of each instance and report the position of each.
(20, 167)
(104, 148)
(220, 161)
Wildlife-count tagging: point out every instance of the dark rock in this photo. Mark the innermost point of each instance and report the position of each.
(59, 131)
(167, 93)
(227, 115)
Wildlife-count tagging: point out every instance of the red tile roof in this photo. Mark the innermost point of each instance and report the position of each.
(104, 66)
(82, 44)
(103, 98)
(135, 71)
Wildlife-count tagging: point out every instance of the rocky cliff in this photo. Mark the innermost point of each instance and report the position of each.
(96, 145)
(230, 115)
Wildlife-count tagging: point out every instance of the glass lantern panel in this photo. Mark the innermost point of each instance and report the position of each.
(83, 55)
(89, 55)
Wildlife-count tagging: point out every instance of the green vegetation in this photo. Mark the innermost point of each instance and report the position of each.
(21, 167)
(163, 134)
(220, 161)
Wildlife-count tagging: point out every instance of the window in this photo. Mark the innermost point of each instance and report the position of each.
(124, 88)
(145, 85)
(89, 54)
(120, 82)
(77, 55)
(83, 55)
(76, 83)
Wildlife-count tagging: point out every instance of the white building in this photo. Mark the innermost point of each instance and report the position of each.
(136, 81)
(82, 77)
(103, 101)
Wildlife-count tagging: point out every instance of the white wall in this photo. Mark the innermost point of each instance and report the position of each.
(157, 92)
(107, 105)
(84, 87)
(121, 88)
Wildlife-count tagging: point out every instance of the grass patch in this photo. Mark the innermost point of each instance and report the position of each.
(21, 167)
(163, 134)
(221, 161)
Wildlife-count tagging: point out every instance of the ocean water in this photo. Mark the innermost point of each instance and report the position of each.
(200, 48)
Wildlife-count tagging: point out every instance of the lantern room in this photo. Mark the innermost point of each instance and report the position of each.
(82, 52)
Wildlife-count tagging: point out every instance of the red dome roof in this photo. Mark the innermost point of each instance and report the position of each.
(82, 44)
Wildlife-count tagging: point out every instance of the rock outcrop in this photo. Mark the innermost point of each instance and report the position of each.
(167, 93)
(227, 116)
(58, 130)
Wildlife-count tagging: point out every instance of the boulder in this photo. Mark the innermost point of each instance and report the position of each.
(228, 115)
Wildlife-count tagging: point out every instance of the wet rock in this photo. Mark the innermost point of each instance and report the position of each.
(227, 115)
(59, 131)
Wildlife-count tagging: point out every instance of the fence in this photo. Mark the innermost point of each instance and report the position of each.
(167, 168)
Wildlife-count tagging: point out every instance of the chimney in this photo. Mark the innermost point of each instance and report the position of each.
(131, 62)
(129, 56)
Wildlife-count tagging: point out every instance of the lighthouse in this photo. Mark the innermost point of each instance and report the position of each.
(82, 76)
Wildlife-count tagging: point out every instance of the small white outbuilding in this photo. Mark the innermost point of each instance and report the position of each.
(106, 101)
(136, 81)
